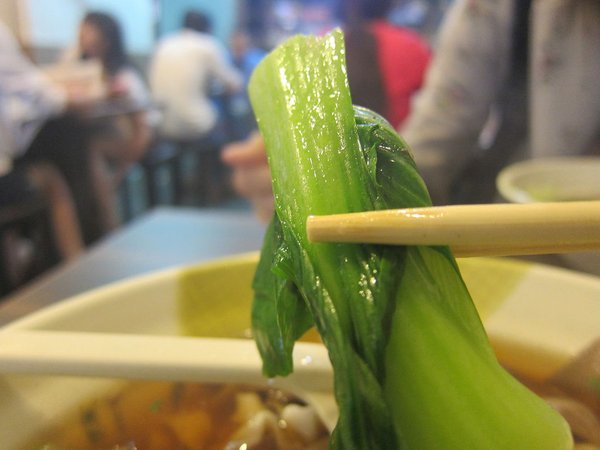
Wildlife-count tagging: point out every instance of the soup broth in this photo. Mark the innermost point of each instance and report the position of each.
(174, 416)
(185, 416)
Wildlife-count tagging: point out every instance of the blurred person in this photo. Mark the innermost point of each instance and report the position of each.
(28, 102)
(183, 72)
(245, 57)
(386, 64)
(124, 138)
(538, 62)
(101, 38)
(535, 64)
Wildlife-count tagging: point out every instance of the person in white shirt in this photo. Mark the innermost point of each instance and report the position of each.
(183, 71)
(535, 62)
(28, 100)
(121, 139)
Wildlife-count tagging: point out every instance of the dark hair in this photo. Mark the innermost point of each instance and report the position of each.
(197, 21)
(356, 11)
(364, 71)
(115, 57)
(374, 9)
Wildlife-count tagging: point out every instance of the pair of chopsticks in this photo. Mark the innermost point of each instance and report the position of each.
(471, 230)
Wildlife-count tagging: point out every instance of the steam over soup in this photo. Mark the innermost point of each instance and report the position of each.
(185, 416)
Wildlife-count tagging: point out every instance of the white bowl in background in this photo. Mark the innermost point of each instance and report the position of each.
(551, 180)
(556, 179)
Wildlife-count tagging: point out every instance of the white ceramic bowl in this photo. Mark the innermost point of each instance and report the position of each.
(539, 320)
(555, 180)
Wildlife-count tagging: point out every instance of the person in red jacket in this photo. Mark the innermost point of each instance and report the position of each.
(386, 64)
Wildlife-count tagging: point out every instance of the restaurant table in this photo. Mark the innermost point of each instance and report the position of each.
(164, 237)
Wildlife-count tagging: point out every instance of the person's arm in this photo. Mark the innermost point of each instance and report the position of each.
(136, 92)
(464, 79)
(136, 128)
(251, 177)
(139, 139)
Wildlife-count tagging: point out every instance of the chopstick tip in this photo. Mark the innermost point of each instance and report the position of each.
(309, 227)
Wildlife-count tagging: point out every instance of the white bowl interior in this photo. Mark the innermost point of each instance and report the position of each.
(536, 316)
(551, 180)
(555, 180)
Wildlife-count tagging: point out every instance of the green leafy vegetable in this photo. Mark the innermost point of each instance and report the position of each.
(413, 368)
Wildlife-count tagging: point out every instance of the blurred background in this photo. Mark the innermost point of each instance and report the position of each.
(46, 27)
(128, 146)
(111, 109)
(116, 150)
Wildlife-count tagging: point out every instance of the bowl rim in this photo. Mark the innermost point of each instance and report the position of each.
(505, 181)
(78, 302)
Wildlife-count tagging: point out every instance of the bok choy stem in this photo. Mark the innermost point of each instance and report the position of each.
(413, 368)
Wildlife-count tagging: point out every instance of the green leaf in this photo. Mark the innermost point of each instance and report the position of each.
(279, 314)
(413, 368)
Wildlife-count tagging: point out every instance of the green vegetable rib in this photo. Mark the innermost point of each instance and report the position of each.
(413, 368)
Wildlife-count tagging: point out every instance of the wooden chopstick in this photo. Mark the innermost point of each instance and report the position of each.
(471, 230)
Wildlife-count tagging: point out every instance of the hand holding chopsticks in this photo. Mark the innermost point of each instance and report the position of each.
(471, 230)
